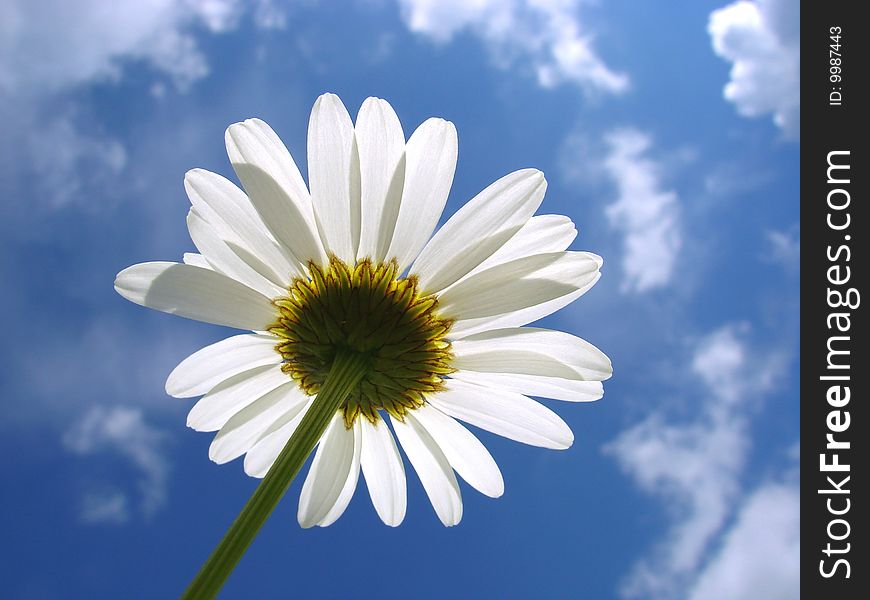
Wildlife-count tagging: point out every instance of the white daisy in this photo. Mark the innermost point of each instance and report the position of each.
(350, 267)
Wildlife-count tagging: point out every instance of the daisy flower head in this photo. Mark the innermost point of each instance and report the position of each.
(347, 270)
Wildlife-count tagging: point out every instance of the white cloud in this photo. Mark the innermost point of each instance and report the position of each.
(646, 214)
(104, 507)
(762, 40)
(784, 248)
(90, 40)
(545, 33)
(122, 431)
(694, 466)
(269, 15)
(108, 359)
(720, 362)
(56, 150)
(67, 160)
(760, 555)
(735, 178)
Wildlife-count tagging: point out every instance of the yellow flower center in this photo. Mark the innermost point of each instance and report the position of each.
(365, 309)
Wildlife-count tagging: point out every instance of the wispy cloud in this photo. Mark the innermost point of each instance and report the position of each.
(92, 40)
(693, 468)
(718, 361)
(762, 40)
(124, 432)
(108, 360)
(53, 150)
(67, 160)
(646, 214)
(784, 248)
(104, 506)
(546, 34)
(760, 554)
(694, 465)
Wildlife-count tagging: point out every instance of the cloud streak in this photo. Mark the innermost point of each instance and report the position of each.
(646, 214)
(124, 432)
(760, 554)
(545, 34)
(694, 466)
(91, 40)
(784, 248)
(104, 506)
(44, 62)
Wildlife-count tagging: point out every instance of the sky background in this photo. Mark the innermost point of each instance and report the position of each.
(667, 131)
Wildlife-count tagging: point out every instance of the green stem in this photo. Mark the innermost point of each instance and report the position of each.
(345, 373)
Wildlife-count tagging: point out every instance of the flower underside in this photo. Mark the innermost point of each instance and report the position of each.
(368, 310)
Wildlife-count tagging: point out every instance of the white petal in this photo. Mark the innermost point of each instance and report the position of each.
(229, 397)
(381, 145)
(205, 368)
(532, 351)
(384, 472)
(332, 464)
(519, 284)
(333, 173)
(195, 293)
(465, 453)
(517, 318)
(195, 259)
(540, 234)
(229, 209)
(504, 413)
(430, 162)
(221, 257)
(262, 456)
(275, 187)
(557, 388)
(479, 228)
(240, 433)
(433, 468)
(349, 488)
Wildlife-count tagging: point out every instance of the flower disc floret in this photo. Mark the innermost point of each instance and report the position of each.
(365, 309)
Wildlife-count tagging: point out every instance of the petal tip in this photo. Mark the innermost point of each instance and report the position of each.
(171, 387)
(496, 490)
(305, 521)
(598, 259)
(194, 173)
(535, 174)
(565, 442)
(231, 129)
(452, 522)
(122, 284)
(250, 471)
(329, 98)
(394, 521)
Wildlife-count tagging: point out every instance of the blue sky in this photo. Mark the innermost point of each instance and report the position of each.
(669, 134)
